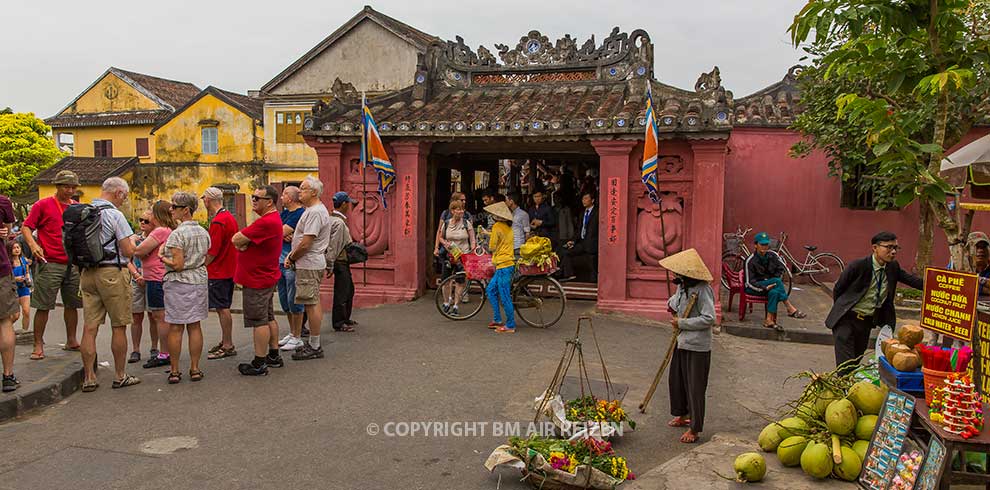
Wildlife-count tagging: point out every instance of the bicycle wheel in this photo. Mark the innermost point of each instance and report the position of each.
(788, 279)
(539, 300)
(471, 301)
(735, 261)
(824, 269)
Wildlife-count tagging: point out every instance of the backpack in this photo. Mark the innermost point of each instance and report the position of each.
(81, 228)
(356, 253)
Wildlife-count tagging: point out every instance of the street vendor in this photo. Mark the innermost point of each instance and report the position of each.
(499, 289)
(764, 270)
(692, 357)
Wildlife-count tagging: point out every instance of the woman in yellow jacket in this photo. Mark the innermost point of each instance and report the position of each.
(500, 287)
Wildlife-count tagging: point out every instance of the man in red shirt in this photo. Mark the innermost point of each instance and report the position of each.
(260, 245)
(52, 269)
(220, 265)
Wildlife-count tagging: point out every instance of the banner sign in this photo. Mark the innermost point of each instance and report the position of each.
(949, 303)
(612, 220)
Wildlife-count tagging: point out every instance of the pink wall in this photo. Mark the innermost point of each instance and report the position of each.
(769, 191)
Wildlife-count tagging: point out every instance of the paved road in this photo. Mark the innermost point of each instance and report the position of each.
(307, 423)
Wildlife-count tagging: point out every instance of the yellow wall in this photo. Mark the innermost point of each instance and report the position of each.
(290, 175)
(240, 138)
(124, 140)
(161, 180)
(111, 94)
(88, 192)
(286, 154)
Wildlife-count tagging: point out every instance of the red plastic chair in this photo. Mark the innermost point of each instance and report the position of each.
(737, 285)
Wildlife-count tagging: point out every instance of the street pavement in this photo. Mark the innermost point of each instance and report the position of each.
(308, 423)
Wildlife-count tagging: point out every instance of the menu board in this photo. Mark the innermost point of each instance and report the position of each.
(979, 366)
(949, 303)
(931, 472)
(880, 464)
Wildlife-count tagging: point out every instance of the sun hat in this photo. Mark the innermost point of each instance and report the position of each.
(687, 263)
(500, 210)
(762, 238)
(66, 177)
(340, 197)
(212, 193)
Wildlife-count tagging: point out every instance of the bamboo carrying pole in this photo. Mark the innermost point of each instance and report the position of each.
(670, 354)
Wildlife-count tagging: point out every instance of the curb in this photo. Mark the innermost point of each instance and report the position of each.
(53, 387)
(796, 336)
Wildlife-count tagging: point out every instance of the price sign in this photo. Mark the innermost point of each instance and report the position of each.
(949, 303)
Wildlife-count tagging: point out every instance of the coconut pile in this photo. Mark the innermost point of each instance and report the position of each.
(828, 429)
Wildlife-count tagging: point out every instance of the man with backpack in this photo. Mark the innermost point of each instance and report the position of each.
(339, 263)
(52, 270)
(98, 240)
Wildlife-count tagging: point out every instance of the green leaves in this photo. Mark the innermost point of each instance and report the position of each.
(26, 149)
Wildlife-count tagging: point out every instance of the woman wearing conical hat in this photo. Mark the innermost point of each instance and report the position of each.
(692, 358)
(503, 257)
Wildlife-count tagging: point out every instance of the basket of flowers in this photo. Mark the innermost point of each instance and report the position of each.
(548, 463)
(603, 417)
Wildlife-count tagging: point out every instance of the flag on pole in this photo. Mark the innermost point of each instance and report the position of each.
(650, 149)
(373, 152)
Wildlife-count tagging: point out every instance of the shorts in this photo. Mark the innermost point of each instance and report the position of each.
(138, 303)
(449, 268)
(106, 291)
(308, 286)
(155, 295)
(9, 306)
(185, 303)
(49, 279)
(221, 293)
(287, 291)
(257, 305)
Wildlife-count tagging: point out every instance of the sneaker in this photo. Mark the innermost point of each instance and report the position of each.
(274, 362)
(135, 357)
(305, 332)
(288, 337)
(156, 362)
(291, 344)
(248, 369)
(453, 311)
(153, 353)
(445, 308)
(307, 352)
(10, 383)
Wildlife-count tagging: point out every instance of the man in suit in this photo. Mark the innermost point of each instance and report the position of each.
(586, 244)
(864, 297)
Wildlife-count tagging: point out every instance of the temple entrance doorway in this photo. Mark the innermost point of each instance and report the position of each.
(561, 172)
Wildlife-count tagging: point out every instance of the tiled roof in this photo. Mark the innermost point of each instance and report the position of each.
(172, 92)
(251, 106)
(773, 106)
(89, 170)
(107, 119)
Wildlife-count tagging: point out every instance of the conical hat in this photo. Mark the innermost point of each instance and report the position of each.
(500, 209)
(687, 263)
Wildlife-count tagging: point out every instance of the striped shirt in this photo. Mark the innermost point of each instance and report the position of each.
(194, 241)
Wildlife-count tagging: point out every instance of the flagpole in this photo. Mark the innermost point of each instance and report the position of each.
(663, 228)
(364, 193)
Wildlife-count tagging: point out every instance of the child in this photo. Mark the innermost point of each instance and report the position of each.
(692, 358)
(22, 279)
(499, 288)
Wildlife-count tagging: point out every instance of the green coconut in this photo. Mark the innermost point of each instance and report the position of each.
(816, 460)
(867, 397)
(793, 426)
(770, 437)
(790, 449)
(865, 426)
(840, 417)
(824, 399)
(850, 466)
(860, 447)
(750, 467)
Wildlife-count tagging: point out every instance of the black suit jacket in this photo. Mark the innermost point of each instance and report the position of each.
(856, 279)
(589, 244)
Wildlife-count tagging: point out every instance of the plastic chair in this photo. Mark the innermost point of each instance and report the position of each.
(737, 285)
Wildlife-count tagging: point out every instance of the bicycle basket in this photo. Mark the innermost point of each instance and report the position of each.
(539, 270)
(478, 266)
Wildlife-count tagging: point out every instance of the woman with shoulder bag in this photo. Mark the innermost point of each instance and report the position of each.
(455, 236)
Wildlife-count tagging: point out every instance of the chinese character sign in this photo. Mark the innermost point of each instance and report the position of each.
(612, 207)
(949, 303)
(407, 206)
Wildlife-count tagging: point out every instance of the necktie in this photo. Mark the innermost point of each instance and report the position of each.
(879, 278)
(584, 224)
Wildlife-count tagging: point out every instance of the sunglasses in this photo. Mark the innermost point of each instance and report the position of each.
(176, 206)
(257, 198)
(144, 221)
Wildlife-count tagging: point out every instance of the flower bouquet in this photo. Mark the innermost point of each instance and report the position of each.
(562, 464)
(591, 409)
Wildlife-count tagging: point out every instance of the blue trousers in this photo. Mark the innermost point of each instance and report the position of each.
(774, 296)
(500, 291)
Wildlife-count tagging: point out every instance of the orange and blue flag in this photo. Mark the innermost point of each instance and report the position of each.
(651, 149)
(373, 153)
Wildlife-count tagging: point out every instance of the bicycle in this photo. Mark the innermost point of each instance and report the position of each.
(823, 269)
(538, 300)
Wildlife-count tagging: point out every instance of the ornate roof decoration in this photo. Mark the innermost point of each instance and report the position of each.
(774, 106)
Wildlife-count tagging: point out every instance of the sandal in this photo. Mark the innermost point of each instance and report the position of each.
(679, 422)
(196, 375)
(689, 437)
(494, 325)
(70, 349)
(37, 356)
(90, 386)
(174, 377)
(505, 330)
(345, 328)
(221, 353)
(216, 348)
(797, 314)
(126, 381)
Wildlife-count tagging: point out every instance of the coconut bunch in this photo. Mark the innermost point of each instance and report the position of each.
(904, 350)
(829, 427)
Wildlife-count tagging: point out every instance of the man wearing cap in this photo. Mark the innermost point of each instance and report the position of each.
(763, 272)
(53, 273)
(221, 263)
(309, 244)
(864, 298)
(343, 284)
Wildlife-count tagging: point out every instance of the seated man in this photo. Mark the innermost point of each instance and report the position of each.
(764, 270)
(586, 243)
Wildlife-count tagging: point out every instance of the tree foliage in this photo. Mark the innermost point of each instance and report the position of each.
(903, 80)
(26, 148)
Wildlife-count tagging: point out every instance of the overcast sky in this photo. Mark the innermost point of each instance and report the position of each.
(51, 51)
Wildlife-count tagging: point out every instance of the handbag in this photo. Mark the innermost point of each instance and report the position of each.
(355, 253)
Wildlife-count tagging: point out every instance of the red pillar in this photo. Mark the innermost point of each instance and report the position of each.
(330, 162)
(408, 211)
(612, 247)
(708, 195)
